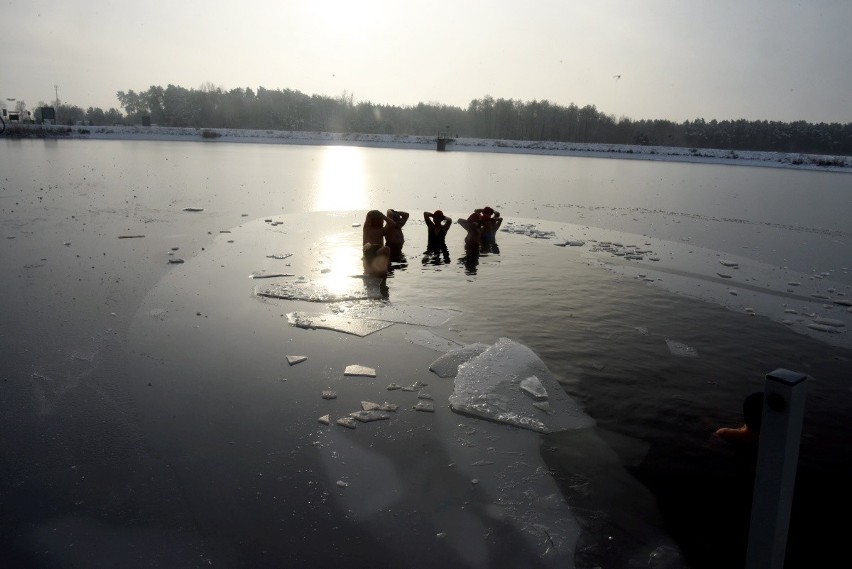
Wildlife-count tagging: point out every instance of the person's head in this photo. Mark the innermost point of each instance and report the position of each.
(487, 210)
(474, 218)
(438, 215)
(753, 411)
(374, 217)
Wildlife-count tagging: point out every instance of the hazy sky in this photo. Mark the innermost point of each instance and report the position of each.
(676, 59)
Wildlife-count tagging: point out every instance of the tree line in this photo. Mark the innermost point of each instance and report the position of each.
(265, 109)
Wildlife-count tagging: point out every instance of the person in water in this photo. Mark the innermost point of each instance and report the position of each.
(491, 222)
(376, 254)
(437, 226)
(473, 226)
(394, 238)
(748, 432)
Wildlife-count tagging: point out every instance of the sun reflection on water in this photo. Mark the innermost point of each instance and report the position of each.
(342, 184)
(341, 262)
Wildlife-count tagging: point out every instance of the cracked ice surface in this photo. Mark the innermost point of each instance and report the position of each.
(398, 312)
(338, 323)
(488, 386)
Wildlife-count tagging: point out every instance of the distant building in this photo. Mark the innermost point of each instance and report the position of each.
(48, 115)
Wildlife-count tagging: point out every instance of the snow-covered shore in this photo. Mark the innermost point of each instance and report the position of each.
(621, 151)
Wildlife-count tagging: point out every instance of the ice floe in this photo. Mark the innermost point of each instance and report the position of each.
(396, 312)
(488, 387)
(293, 360)
(532, 386)
(429, 339)
(448, 364)
(426, 406)
(347, 422)
(357, 327)
(369, 416)
(359, 371)
(311, 292)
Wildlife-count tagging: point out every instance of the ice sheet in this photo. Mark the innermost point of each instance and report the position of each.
(488, 386)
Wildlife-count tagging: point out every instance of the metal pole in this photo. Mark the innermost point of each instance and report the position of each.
(777, 458)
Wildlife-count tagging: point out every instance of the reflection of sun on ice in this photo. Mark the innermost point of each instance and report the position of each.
(340, 262)
(342, 180)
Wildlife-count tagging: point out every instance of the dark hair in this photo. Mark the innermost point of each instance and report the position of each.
(753, 410)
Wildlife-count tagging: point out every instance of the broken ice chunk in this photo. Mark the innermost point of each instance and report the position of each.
(425, 406)
(329, 395)
(293, 360)
(532, 386)
(358, 370)
(393, 386)
(347, 422)
(325, 419)
(488, 387)
(448, 364)
(368, 416)
(370, 406)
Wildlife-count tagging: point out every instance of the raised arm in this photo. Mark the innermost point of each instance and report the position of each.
(399, 217)
(390, 223)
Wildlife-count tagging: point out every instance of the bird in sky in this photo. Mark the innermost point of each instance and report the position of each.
(616, 77)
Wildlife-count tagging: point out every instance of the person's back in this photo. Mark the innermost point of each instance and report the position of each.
(437, 226)
(491, 222)
(394, 237)
(376, 255)
(473, 226)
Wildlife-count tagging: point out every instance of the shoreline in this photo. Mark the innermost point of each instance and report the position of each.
(798, 161)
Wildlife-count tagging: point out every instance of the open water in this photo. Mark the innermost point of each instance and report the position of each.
(71, 290)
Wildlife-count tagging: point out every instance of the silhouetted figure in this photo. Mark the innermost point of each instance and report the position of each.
(376, 255)
(491, 222)
(473, 226)
(394, 238)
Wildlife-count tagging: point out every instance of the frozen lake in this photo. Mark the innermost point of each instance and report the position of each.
(145, 402)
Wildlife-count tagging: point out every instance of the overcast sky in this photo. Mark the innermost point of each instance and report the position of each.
(644, 59)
